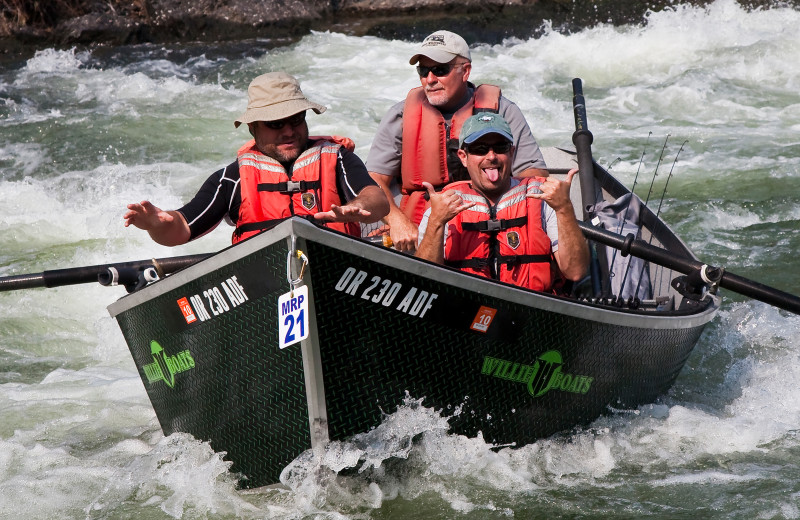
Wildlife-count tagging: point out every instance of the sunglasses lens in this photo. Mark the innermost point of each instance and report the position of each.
(483, 149)
(296, 120)
(438, 70)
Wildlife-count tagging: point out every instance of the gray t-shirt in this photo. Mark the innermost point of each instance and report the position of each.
(386, 151)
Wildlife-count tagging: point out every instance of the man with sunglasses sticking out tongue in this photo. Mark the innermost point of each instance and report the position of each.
(501, 227)
(417, 139)
(279, 173)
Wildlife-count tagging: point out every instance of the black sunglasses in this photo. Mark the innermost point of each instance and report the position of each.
(296, 120)
(483, 148)
(438, 70)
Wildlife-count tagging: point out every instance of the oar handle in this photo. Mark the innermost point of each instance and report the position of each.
(89, 274)
(739, 284)
(582, 138)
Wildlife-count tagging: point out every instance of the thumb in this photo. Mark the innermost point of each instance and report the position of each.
(570, 175)
(428, 186)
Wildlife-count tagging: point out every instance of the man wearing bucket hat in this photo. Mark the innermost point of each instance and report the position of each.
(501, 227)
(279, 173)
(417, 139)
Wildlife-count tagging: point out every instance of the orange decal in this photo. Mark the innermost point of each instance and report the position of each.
(187, 311)
(483, 319)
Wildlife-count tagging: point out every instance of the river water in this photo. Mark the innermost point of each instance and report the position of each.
(84, 133)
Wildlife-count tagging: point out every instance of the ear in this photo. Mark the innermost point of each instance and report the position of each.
(463, 156)
(467, 68)
(252, 128)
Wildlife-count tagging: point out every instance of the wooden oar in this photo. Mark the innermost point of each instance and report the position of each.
(627, 245)
(88, 274)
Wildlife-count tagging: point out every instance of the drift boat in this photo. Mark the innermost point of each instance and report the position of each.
(301, 335)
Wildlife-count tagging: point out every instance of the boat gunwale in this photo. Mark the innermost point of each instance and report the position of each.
(302, 229)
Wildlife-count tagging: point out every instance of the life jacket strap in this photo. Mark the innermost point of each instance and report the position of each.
(290, 186)
(510, 261)
(494, 225)
(256, 226)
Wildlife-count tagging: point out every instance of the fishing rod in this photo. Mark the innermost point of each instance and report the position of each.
(92, 273)
(627, 210)
(698, 273)
(658, 222)
(655, 172)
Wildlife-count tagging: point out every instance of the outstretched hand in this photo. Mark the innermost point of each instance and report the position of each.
(146, 216)
(346, 213)
(555, 192)
(446, 204)
(168, 228)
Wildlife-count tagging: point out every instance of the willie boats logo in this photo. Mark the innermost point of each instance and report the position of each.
(544, 375)
(164, 367)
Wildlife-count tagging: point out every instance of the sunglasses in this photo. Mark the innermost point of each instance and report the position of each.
(483, 148)
(438, 70)
(296, 120)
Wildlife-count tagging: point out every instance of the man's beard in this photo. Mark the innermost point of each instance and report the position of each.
(280, 155)
(283, 155)
(438, 98)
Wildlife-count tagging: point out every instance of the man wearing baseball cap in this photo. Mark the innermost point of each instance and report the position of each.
(417, 139)
(500, 227)
(281, 172)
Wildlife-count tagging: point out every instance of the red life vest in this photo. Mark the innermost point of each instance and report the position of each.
(269, 195)
(506, 242)
(429, 152)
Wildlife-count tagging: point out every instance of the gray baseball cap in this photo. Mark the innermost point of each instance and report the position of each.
(442, 47)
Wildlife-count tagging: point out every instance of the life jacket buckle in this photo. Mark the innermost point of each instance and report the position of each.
(293, 186)
(494, 225)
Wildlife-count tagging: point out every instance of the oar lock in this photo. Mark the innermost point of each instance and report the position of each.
(696, 284)
(625, 250)
(132, 278)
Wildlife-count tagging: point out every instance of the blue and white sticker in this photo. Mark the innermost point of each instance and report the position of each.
(293, 317)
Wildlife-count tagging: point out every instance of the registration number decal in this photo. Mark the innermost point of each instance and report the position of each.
(412, 300)
(213, 301)
(293, 317)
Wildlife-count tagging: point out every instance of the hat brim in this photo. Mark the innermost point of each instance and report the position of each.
(437, 55)
(486, 131)
(278, 111)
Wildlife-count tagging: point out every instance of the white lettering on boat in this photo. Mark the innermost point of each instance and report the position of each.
(416, 302)
(218, 299)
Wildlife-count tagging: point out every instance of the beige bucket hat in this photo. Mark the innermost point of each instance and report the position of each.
(274, 96)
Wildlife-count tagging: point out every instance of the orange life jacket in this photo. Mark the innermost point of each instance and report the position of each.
(429, 152)
(269, 195)
(506, 241)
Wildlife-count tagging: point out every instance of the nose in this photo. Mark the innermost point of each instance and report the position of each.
(288, 130)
